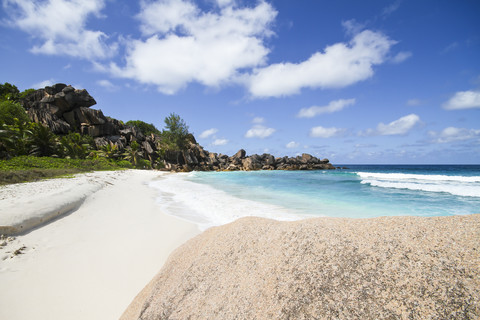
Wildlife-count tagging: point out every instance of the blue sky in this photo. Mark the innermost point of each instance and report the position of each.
(354, 81)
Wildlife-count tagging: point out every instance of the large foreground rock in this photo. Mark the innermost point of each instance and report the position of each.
(325, 268)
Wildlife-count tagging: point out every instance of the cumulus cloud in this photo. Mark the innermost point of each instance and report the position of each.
(339, 65)
(187, 45)
(207, 133)
(219, 142)
(322, 132)
(292, 144)
(463, 100)
(401, 56)
(60, 25)
(259, 131)
(398, 127)
(333, 106)
(451, 134)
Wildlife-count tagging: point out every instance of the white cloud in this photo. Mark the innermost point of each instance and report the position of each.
(353, 27)
(322, 132)
(333, 106)
(452, 46)
(463, 100)
(388, 10)
(398, 127)
(61, 26)
(259, 131)
(401, 56)
(451, 134)
(292, 144)
(223, 3)
(258, 120)
(187, 45)
(362, 145)
(338, 66)
(43, 84)
(219, 142)
(207, 133)
(107, 84)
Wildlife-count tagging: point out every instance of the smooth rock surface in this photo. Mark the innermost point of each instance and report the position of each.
(323, 268)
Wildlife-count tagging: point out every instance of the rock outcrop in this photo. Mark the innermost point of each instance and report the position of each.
(65, 109)
(323, 268)
(196, 158)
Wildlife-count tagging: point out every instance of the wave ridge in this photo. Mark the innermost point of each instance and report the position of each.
(424, 177)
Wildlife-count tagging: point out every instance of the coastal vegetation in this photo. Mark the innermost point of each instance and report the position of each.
(30, 150)
(57, 122)
(30, 168)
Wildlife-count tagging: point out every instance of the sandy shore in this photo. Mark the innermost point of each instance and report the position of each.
(323, 268)
(92, 262)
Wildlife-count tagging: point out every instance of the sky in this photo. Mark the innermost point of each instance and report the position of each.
(357, 82)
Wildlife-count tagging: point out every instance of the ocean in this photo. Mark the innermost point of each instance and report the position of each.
(362, 191)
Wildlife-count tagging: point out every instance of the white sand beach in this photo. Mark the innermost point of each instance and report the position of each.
(109, 257)
(91, 262)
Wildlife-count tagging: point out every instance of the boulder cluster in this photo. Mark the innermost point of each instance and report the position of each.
(65, 109)
(195, 158)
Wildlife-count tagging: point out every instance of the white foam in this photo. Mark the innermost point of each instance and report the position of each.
(207, 206)
(424, 177)
(456, 185)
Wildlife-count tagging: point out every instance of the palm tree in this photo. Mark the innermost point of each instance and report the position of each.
(133, 154)
(15, 138)
(109, 151)
(75, 146)
(43, 141)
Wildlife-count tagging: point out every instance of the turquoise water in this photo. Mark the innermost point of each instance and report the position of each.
(359, 192)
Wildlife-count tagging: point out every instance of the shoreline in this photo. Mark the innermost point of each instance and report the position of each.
(102, 260)
(90, 264)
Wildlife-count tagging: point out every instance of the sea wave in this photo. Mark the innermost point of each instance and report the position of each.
(424, 177)
(466, 186)
(207, 206)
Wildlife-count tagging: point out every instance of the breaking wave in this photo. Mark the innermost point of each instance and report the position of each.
(466, 186)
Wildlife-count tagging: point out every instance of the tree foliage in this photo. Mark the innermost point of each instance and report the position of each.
(9, 92)
(175, 135)
(19, 137)
(43, 142)
(145, 128)
(75, 146)
(133, 154)
(10, 110)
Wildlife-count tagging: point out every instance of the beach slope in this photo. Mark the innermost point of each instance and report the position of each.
(92, 262)
(323, 268)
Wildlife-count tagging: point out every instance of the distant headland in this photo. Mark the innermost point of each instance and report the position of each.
(66, 110)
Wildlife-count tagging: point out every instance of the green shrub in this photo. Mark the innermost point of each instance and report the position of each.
(124, 164)
(145, 128)
(9, 92)
(10, 110)
(143, 164)
(75, 146)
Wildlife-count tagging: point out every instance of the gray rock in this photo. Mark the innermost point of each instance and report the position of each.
(240, 154)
